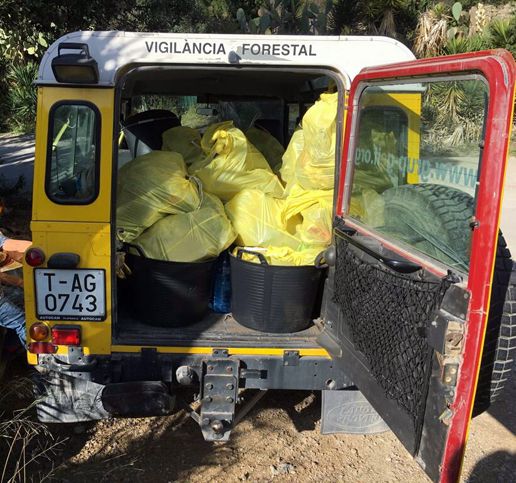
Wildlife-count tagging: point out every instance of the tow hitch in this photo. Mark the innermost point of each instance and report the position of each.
(219, 396)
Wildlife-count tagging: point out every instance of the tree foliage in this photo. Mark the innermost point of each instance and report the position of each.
(28, 26)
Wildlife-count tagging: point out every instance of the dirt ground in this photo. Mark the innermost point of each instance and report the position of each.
(278, 441)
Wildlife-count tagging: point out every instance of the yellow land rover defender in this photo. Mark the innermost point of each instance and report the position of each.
(218, 216)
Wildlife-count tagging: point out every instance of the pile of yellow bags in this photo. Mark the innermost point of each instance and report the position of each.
(166, 213)
(259, 220)
(162, 208)
(150, 187)
(189, 237)
(288, 231)
(235, 164)
(294, 228)
(310, 157)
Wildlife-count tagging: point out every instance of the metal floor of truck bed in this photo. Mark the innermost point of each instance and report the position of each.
(215, 330)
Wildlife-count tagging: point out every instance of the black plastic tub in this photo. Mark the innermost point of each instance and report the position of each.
(168, 294)
(272, 298)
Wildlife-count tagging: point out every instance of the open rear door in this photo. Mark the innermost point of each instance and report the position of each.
(415, 241)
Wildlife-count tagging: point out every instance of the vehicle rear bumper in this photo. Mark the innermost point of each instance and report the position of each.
(144, 383)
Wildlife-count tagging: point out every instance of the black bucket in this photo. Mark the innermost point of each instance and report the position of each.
(270, 298)
(168, 294)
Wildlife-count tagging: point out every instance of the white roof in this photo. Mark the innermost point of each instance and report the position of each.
(114, 50)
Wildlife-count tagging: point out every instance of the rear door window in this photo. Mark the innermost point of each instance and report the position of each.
(73, 153)
(416, 164)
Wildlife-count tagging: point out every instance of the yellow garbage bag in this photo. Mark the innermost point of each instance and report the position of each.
(282, 256)
(259, 220)
(268, 145)
(315, 166)
(236, 165)
(150, 187)
(316, 228)
(288, 167)
(208, 140)
(189, 237)
(316, 209)
(255, 159)
(185, 141)
(211, 146)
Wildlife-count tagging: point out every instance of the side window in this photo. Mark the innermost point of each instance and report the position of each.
(416, 164)
(73, 153)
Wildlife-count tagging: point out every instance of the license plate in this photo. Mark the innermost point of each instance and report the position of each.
(70, 294)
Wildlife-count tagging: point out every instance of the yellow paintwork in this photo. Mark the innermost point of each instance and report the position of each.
(410, 104)
(43, 208)
(92, 242)
(262, 351)
(81, 229)
(32, 359)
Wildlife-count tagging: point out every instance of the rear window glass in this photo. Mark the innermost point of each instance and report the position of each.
(416, 164)
(198, 113)
(73, 153)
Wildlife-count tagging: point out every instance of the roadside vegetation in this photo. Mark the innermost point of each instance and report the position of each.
(26, 446)
(429, 28)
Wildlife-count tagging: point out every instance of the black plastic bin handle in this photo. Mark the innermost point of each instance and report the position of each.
(320, 260)
(260, 256)
(137, 248)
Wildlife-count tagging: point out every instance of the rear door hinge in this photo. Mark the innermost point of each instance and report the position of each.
(445, 333)
(449, 373)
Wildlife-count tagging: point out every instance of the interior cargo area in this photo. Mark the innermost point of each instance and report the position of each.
(224, 175)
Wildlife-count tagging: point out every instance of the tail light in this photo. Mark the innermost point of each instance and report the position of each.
(66, 335)
(34, 257)
(39, 332)
(42, 348)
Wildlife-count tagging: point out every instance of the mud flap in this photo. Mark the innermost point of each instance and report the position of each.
(348, 411)
(66, 399)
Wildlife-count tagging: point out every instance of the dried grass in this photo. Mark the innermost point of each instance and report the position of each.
(431, 34)
(26, 444)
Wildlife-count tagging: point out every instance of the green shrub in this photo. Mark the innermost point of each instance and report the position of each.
(21, 96)
(4, 109)
(502, 34)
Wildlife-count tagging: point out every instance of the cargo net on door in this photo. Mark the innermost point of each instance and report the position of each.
(387, 313)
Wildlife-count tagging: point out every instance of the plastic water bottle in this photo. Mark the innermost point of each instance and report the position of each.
(221, 302)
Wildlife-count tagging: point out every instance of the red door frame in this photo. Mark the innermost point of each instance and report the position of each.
(499, 69)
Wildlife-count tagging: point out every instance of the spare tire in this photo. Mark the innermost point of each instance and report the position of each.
(436, 220)
(500, 339)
